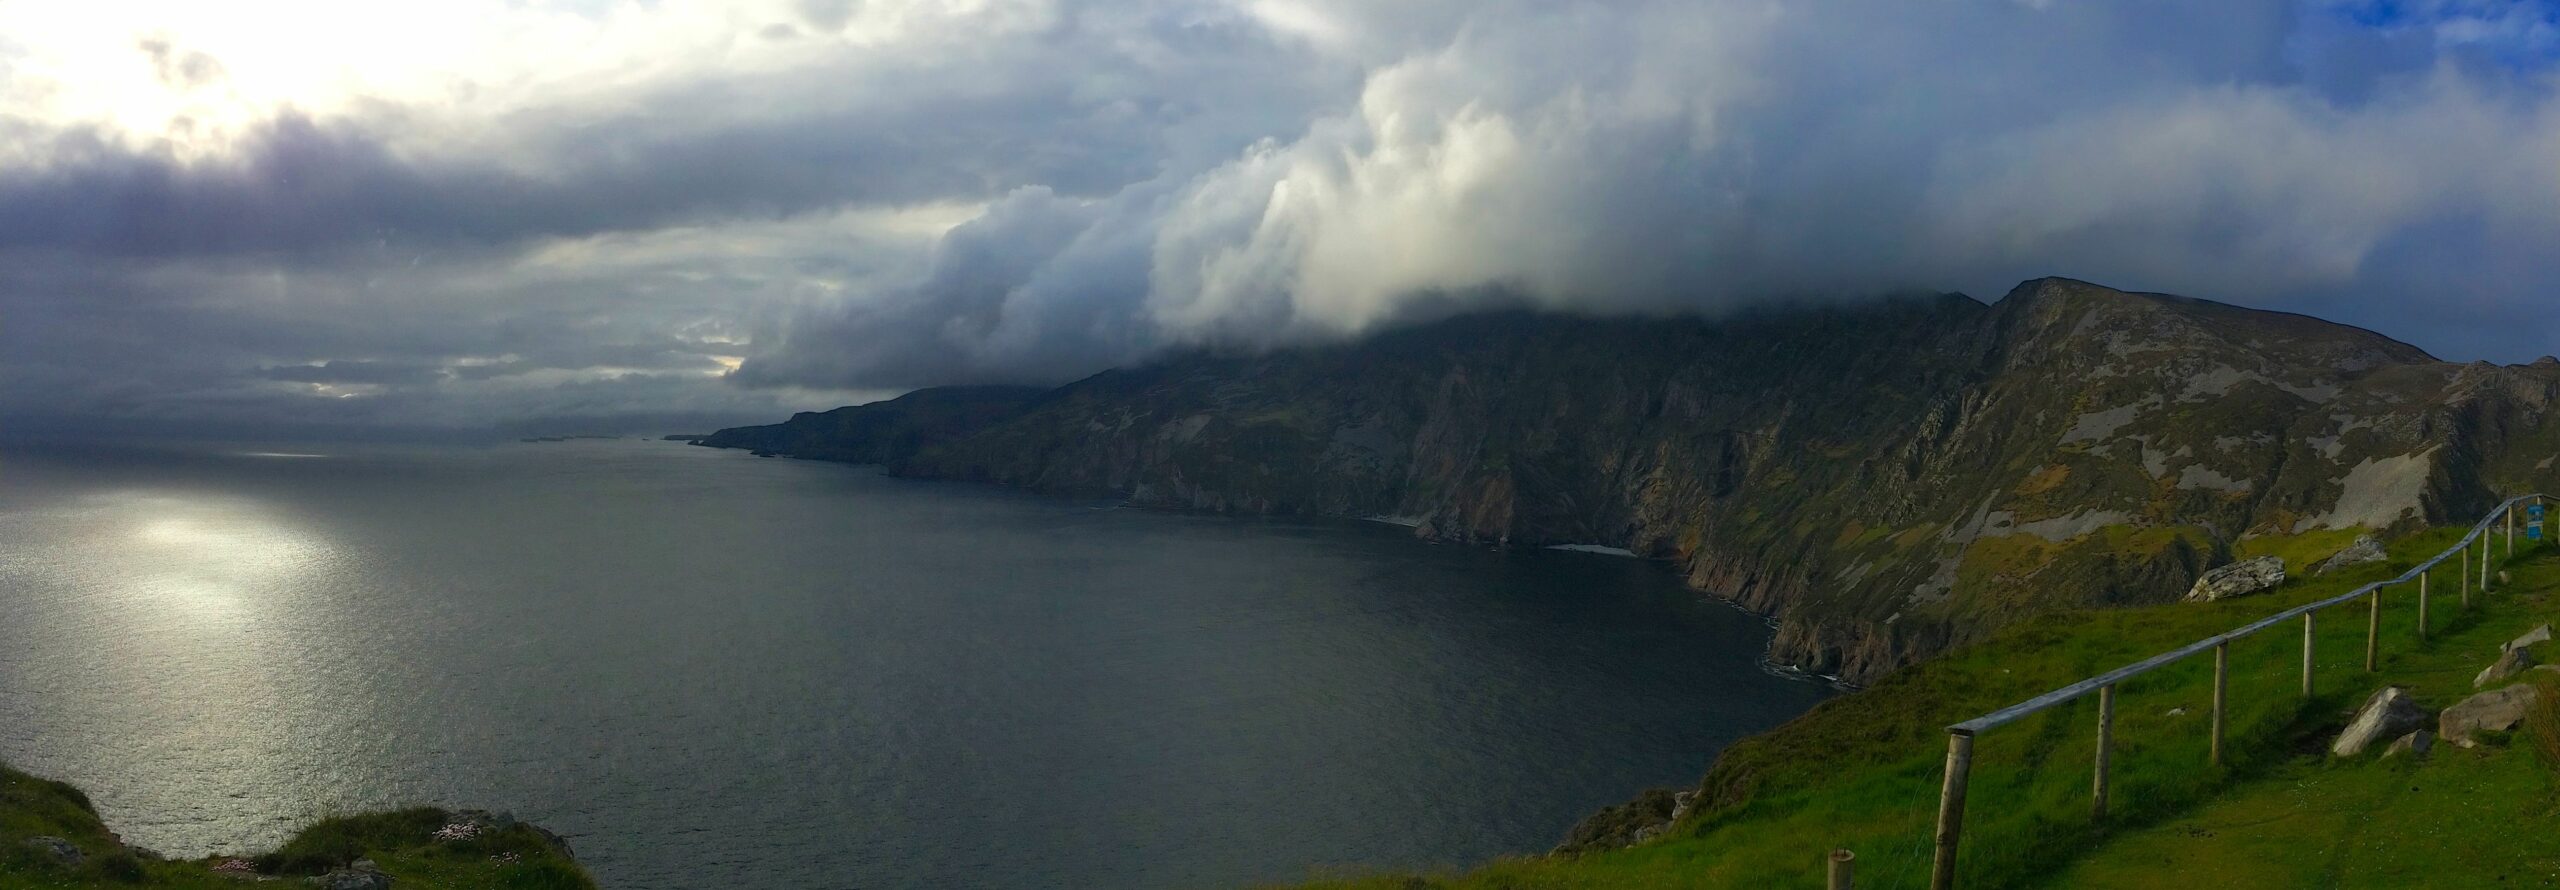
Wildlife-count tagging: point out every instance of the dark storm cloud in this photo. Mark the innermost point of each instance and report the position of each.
(880, 198)
(299, 184)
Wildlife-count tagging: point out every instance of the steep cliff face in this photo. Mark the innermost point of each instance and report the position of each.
(1884, 478)
(882, 431)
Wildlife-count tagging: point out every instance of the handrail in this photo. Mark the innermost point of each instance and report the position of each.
(2021, 710)
(1960, 735)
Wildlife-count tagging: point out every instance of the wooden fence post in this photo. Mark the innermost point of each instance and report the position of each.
(1841, 878)
(1951, 808)
(2106, 737)
(2306, 653)
(2422, 607)
(2373, 631)
(2221, 683)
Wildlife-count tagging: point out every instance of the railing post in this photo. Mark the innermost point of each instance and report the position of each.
(2511, 531)
(2106, 737)
(1841, 878)
(2484, 561)
(2221, 684)
(2306, 653)
(2373, 631)
(2466, 577)
(1951, 808)
(2422, 607)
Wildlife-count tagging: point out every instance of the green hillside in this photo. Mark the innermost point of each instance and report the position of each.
(498, 854)
(1863, 771)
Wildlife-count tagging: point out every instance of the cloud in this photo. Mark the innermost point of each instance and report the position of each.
(183, 70)
(727, 210)
(1701, 156)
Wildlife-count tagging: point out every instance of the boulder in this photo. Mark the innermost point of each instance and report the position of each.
(2364, 550)
(2415, 744)
(57, 849)
(2238, 579)
(2387, 713)
(2509, 664)
(2496, 710)
(2537, 635)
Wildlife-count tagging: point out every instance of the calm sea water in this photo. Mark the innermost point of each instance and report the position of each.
(709, 669)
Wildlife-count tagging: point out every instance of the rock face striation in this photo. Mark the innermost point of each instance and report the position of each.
(1885, 479)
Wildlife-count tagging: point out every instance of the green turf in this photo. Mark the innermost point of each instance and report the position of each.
(401, 843)
(1862, 771)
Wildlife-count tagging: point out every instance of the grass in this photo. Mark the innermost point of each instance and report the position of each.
(2302, 552)
(401, 843)
(1862, 771)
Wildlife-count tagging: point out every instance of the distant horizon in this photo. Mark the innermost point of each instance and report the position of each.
(75, 430)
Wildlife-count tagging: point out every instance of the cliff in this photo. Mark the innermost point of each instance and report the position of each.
(1885, 479)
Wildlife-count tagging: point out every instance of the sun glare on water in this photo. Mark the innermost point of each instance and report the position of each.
(210, 556)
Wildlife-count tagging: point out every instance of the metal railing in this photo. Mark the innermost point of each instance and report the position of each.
(1960, 736)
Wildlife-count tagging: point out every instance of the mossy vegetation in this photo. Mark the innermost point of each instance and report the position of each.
(1862, 771)
(499, 855)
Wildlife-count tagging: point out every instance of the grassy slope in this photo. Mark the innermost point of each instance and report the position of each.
(1862, 771)
(2481, 817)
(399, 842)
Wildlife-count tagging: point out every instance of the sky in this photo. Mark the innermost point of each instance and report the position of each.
(468, 218)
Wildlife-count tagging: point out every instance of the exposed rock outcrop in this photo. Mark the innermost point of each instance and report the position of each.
(1885, 479)
(2509, 664)
(2366, 550)
(1628, 824)
(59, 850)
(2388, 713)
(2238, 579)
(2497, 710)
(2541, 634)
(2414, 745)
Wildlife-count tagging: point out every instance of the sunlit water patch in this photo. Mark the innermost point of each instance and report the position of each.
(712, 670)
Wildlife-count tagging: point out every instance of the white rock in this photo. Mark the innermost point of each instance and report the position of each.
(2537, 635)
(2387, 713)
(2238, 579)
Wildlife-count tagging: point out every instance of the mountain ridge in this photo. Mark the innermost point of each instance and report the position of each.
(1884, 479)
